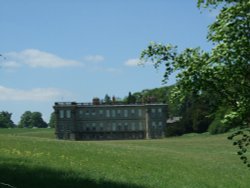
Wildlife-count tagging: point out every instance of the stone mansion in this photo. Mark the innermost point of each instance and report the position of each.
(96, 121)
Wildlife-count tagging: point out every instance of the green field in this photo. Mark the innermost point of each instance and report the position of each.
(33, 158)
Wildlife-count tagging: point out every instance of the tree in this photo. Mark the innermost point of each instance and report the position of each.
(52, 121)
(107, 99)
(32, 119)
(131, 99)
(223, 73)
(37, 120)
(5, 120)
(26, 120)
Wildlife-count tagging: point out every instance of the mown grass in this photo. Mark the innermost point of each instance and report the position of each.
(33, 158)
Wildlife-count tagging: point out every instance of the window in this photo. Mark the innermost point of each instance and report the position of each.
(160, 124)
(93, 112)
(119, 128)
(107, 113)
(133, 111)
(87, 127)
(153, 125)
(118, 112)
(101, 126)
(159, 110)
(153, 110)
(68, 114)
(114, 127)
(101, 112)
(93, 126)
(125, 126)
(61, 114)
(87, 112)
(125, 113)
(139, 112)
(80, 113)
(113, 113)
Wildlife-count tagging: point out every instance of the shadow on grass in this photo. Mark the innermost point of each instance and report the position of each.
(20, 176)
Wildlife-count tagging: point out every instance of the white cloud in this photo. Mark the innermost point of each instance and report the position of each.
(36, 58)
(94, 58)
(10, 65)
(133, 62)
(36, 94)
(93, 64)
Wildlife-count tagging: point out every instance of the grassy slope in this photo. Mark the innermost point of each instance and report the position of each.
(32, 158)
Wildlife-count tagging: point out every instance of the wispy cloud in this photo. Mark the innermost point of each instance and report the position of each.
(94, 58)
(102, 69)
(92, 63)
(36, 58)
(10, 65)
(132, 62)
(36, 94)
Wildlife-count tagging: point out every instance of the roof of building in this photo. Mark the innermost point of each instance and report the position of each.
(69, 104)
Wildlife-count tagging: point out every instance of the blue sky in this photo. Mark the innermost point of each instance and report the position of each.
(74, 50)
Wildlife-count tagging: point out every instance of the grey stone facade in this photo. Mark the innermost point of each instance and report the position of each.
(81, 121)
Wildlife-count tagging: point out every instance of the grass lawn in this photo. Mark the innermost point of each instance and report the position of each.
(31, 158)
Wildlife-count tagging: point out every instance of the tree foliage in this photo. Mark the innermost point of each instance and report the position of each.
(5, 120)
(52, 121)
(222, 73)
(32, 119)
(131, 99)
(193, 113)
(107, 99)
(158, 95)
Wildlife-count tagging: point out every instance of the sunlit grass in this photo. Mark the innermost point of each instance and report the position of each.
(188, 161)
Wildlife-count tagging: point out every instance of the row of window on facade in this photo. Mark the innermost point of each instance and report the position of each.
(121, 126)
(109, 135)
(108, 113)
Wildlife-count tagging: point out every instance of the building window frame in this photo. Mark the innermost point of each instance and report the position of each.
(107, 113)
(125, 113)
(139, 112)
(68, 114)
(113, 113)
(61, 114)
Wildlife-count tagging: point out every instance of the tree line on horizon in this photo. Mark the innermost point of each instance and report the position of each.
(196, 115)
(27, 120)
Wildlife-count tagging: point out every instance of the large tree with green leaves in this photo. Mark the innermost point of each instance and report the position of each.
(222, 73)
(32, 119)
(5, 120)
(26, 120)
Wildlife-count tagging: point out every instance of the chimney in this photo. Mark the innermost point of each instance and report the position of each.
(96, 101)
